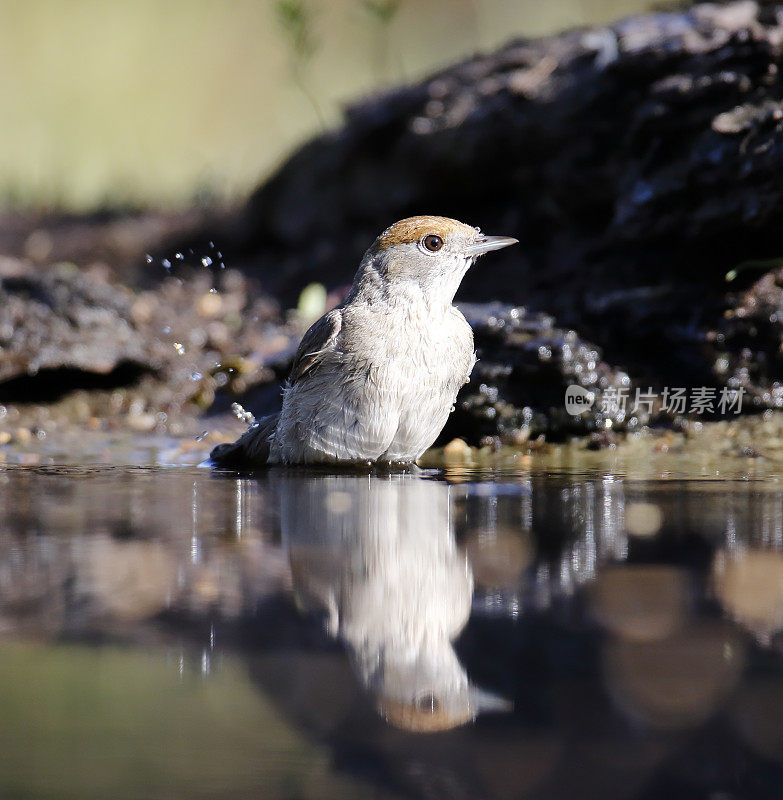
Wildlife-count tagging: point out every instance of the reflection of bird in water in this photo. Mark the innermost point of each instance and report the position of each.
(378, 555)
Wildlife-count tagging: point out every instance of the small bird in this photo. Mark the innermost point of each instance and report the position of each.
(374, 380)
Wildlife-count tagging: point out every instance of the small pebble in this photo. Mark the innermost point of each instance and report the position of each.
(457, 449)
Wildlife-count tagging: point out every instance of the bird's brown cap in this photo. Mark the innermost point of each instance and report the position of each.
(414, 228)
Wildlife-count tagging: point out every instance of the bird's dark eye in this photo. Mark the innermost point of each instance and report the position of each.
(433, 243)
(427, 702)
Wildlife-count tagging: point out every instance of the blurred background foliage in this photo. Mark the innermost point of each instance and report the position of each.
(156, 103)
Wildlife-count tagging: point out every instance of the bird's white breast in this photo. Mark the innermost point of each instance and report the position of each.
(387, 391)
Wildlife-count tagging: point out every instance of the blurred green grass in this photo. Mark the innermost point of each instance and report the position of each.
(153, 102)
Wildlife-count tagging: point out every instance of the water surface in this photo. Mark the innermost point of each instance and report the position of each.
(180, 633)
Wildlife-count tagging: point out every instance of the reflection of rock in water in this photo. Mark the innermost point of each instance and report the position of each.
(378, 555)
(757, 713)
(676, 681)
(640, 602)
(561, 539)
(87, 550)
(747, 572)
(749, 585)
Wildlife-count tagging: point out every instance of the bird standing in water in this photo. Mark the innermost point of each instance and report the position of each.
(374, 380)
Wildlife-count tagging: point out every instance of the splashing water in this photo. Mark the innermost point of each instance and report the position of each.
(242, 415)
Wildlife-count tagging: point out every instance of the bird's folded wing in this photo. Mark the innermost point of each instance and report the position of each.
(319, 340)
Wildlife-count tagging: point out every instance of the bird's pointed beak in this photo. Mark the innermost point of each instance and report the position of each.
(486, 243)
(482, 701)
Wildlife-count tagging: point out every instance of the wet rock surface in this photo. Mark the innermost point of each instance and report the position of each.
(63, 320)
(517, 389)
(747, 345)
(77, 348)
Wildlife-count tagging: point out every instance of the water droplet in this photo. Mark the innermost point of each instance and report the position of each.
(206, 261)
(213, 290)
(148, 258)
(242, 415)
(222, 265)
(196, 376)
(166, 263)
(212, 245)
(179, 256)
(203, 435)
(167, 329)
(179, 347)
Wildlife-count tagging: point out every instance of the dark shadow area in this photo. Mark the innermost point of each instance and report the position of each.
(49, 385)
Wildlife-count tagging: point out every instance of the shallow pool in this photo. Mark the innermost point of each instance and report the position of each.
(174, 633)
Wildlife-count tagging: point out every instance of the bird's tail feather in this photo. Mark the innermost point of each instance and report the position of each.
(250, 449)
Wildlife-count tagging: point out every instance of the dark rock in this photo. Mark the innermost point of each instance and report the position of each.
(64, 320)
(519, 383)
(745, 346)
(163, 352)
(637, 163)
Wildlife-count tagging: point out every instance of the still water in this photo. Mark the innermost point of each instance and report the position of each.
(177, 633)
